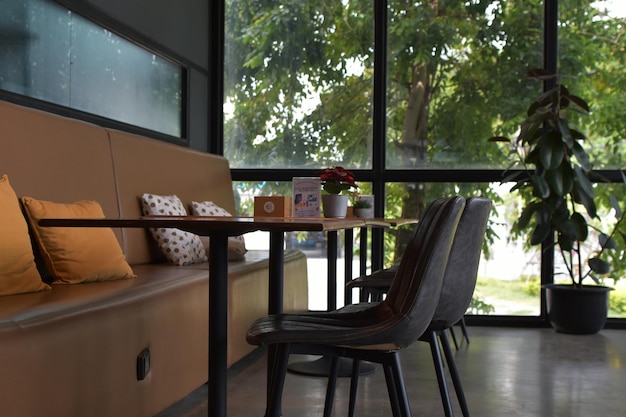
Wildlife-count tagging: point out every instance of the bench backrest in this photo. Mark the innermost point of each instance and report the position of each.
(50, 157)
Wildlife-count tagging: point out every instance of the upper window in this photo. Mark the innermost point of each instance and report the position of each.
(52, 54)
(298, 84)
(592, 59)
(455, 76)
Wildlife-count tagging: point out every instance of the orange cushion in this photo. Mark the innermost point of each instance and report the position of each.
(18, 273)
(75, 254)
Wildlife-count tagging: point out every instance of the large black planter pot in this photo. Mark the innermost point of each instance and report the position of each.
(577, 310)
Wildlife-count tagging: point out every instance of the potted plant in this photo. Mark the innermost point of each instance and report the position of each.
(362, 208)
(560, 204)
(335, 180)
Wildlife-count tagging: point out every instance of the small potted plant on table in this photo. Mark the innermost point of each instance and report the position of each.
(363, 208)
(335, 180)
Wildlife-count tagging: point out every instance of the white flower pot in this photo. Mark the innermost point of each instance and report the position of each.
(364, 213)
(335, 205)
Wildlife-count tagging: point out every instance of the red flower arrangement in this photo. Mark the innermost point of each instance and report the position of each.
(337, 179)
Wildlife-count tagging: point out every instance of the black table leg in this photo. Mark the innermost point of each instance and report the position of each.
(348, 256)
(331, 256)
(276, 262)
(218, 325)
(276, 293)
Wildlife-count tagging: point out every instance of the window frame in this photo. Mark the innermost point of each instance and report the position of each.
(379, 176)
(95, 16)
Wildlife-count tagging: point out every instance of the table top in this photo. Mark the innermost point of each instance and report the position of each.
(389, 222)
(209, 224)
(233, 225)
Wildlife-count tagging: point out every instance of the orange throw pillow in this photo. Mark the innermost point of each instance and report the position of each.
(76, 254)
(18, 273)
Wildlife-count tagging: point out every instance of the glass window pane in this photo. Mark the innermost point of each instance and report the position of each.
(119, 80)
(591, 64)
(509, 271)
(314, 245)
(34, 49)
(298, 84)
(456, 77)
(52, 54)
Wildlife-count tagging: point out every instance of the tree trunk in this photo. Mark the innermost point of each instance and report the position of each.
(414, 142)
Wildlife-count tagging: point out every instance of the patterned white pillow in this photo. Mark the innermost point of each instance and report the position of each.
(178, 246)
(236, 244)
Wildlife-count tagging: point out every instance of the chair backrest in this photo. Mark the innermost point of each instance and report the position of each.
(416, 288)
(459, 280)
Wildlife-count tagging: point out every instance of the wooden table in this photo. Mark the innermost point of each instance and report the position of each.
(219, 229)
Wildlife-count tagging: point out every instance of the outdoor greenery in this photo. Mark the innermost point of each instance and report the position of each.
(522, 297)
(299, 79)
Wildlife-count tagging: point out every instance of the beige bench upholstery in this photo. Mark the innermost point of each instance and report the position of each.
(72, 351)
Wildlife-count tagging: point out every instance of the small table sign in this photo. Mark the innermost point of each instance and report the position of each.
(306, 193)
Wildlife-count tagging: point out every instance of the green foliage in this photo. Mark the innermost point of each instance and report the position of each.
(617, 300)
(288, 78)
(478, 306)
(362, 204)
(532, 285)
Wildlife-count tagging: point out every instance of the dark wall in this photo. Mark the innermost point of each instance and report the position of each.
(180, 26)
(175, 28)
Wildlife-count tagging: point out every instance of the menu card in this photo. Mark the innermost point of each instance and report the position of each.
(306, 193)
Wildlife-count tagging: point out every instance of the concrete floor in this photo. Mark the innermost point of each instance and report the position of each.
(505, 372)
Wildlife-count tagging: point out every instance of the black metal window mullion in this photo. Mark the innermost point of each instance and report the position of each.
(215, 88)
(550, 58)
(379, 126)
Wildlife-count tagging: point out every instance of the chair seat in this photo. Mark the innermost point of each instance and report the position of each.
(360, 327)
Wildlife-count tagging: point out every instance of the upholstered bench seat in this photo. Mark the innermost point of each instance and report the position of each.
(71, 351)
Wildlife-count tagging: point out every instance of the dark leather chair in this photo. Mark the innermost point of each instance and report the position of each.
(375, 333)
(375, 285)
(458, 287)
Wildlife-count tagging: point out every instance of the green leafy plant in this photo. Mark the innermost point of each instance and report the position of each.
(361, 204)
(560, 197)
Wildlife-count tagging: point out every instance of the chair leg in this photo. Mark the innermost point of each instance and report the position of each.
(330, 388)
(441, 378)
(400, 389)
(454, 373)
(354, 383)
(391, 389)
(277, 381)
(456, 344)
(272, 353)
(464, 329)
